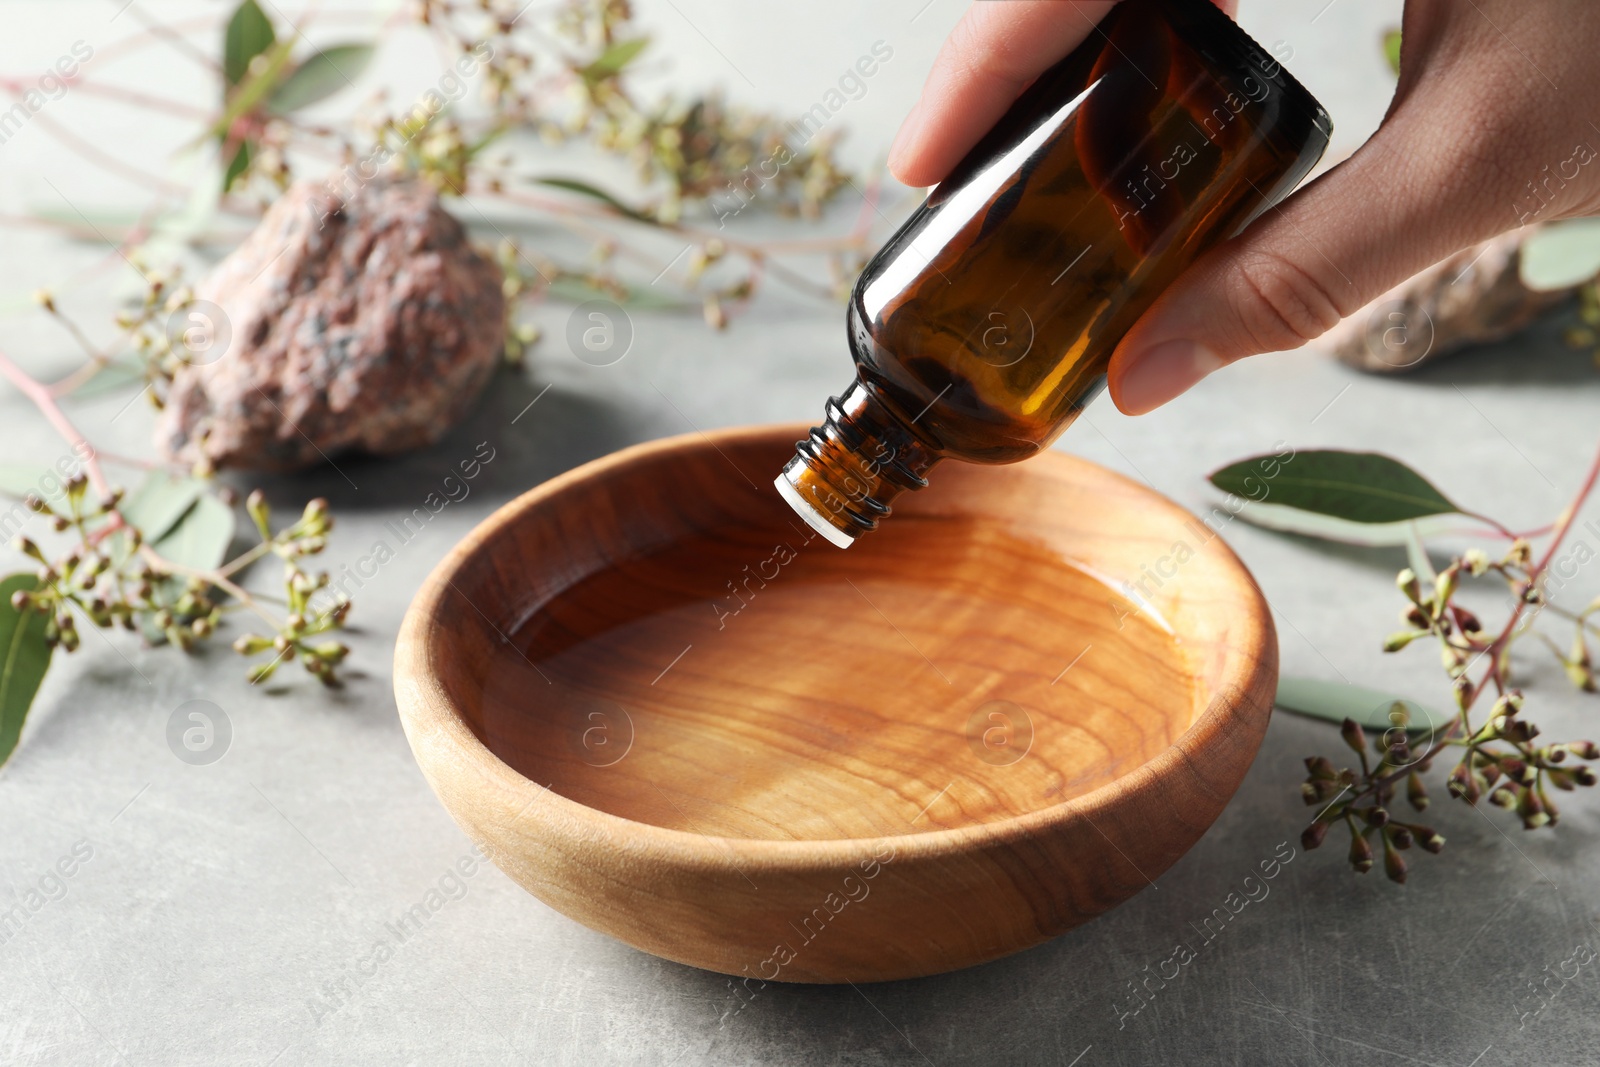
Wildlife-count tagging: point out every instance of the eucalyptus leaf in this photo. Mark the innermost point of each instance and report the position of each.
(1417, 555)
(1561, 255)
(1366, 534)
(201, 537)
(24, 657)
(19, 479)
(1356, 486)
(483, 142)
(1373, 709)
(237, 165)
(321, 75)
(159, 502)
(107, 226)
(614, 59)
(573, 185)
(117, 374)
(172, 231)
(249, 34)
(645, 299)
(249, 94)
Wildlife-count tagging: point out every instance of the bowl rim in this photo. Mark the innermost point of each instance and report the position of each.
(430, 717)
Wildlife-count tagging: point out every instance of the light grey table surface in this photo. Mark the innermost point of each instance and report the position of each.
(222, 905)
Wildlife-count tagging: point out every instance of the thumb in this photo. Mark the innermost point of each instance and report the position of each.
(1404, 201)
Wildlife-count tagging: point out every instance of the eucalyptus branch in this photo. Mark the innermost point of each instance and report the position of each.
(112, 576)
(1499, 759)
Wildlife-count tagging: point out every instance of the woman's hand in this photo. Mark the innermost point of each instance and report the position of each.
(1493, 125)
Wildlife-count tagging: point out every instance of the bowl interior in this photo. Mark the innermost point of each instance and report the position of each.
(662, 640)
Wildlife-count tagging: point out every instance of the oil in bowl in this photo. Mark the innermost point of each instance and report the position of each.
(761, 683)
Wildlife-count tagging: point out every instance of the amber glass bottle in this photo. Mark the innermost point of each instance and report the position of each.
(986, 323)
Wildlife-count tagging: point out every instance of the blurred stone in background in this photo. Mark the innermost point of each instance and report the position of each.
(356, 317)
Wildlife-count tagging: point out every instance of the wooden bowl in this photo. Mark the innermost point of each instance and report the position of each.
(671, 712)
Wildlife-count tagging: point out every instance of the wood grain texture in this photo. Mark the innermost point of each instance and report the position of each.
(667, 713)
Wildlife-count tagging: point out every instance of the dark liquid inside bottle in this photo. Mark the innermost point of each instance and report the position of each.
(987, 322)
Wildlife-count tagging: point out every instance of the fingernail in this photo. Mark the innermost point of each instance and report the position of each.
(907, 128)
(1158, 374)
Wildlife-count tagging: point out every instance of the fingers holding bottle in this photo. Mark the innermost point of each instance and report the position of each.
(1475, 125)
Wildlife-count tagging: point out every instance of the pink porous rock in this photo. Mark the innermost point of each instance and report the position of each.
(350, 320)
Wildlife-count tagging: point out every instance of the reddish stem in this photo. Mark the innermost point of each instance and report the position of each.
(46, 403)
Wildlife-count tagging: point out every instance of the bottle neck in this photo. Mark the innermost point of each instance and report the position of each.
(847, 470)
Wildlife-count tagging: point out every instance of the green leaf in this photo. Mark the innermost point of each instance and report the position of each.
(248, 95)
(320, 76)
(109, 226)
(237, 165)
(19, 479)
(26, 657)
(613, 59)
(201, 537)
(249, 34)
(573, 185)
(1374, 709)
(1561, 255)
(576, 291)
(483, 142)
(1357, 486)
(1391, 50)
(159, 502)
(113, 375)
(1417, 555)
(1366, 534)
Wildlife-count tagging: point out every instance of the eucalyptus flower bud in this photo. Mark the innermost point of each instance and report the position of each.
(1360, 854)
(1401, 638)
(1394, 865)
(1462, 784)
(1535, 811)
(1521, 552)
(1416, 792)
(1321, 768)
(1445, 587)
(256, 506)
(331, 651)
(250, 644)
